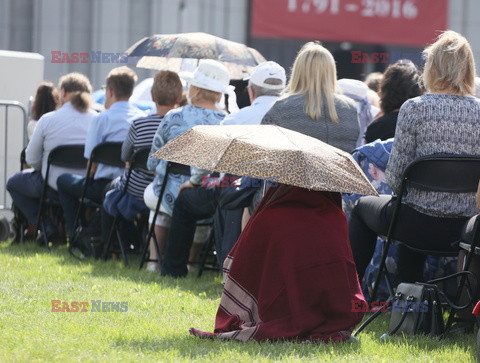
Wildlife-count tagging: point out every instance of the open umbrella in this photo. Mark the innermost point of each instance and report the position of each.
(271, 152)
(183, 51)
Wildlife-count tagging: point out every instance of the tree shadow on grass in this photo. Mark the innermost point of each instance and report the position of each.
(191, 347)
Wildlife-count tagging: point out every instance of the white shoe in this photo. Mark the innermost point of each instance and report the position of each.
(152, 267)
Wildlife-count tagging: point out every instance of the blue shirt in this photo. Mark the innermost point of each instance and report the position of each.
(175, 123)
(110, 125)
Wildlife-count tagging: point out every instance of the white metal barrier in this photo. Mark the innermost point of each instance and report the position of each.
(13, 132)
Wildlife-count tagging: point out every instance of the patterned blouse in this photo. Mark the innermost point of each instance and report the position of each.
(433, 124)
(175, 123)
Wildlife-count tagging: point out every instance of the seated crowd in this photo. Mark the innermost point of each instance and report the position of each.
(292, 262)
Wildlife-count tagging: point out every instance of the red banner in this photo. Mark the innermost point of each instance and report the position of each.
(393, 22)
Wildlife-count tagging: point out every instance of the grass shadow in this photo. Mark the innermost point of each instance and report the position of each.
(191, 347)
(210, 286)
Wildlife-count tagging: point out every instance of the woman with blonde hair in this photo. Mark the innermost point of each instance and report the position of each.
(311, 104)
(445, 120)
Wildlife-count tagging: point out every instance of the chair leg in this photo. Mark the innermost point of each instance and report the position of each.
(44, 232)
(464, 282)
(381, 270)
(122, 248)
(109, 241)
(151, 232)
(208, 247)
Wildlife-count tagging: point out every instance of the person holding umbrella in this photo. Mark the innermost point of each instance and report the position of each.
(206, 85)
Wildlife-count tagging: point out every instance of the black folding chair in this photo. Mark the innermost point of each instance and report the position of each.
(437, 173)
(138, 161)
(208, 256)
(107, 153)
(66, 156)
(173, 168)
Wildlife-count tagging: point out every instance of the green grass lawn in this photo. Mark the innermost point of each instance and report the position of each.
(160, 312)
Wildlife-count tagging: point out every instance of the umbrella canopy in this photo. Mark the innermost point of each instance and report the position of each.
(271, 152)
(183, 52)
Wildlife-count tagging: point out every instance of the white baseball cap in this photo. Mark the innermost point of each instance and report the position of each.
(268, 70)
(210, 74)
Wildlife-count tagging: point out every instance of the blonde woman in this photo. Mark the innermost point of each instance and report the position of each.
(311, 104)
(445, 120)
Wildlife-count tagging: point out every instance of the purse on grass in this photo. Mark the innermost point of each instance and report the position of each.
(416, 308)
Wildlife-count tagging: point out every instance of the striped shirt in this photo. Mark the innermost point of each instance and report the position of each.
(140, 135)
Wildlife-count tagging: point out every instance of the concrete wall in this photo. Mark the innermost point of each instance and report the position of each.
(44, 26)
(464, 18)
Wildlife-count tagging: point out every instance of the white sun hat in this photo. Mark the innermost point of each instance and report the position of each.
(210, 75)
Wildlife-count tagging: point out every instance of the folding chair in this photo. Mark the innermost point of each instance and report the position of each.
(137, 161)
(438, 173)
(67, 156)
(107, 153)
(173, 168)
(208, 258)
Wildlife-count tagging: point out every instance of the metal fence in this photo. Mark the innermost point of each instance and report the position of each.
(13, 117)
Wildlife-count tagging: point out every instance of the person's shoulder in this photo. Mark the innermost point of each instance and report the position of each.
(342, 101)
(148, 118)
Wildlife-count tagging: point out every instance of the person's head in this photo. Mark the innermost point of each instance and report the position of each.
(373, 81)
(207, 83)
(46, 99)
(119, 85)
(314, 73)
(76, 88)
(167, 88)
(267, 79)
(401, 81)
(450, 66)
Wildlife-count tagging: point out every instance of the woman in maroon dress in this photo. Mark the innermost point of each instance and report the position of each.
(291, 274)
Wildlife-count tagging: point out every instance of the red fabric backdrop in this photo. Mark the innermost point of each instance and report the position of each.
(394, 22)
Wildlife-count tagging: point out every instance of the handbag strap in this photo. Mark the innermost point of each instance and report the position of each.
(373, 317)
(445, 297)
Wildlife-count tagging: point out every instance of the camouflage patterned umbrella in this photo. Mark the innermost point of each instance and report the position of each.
(183, 51)
(271, 152)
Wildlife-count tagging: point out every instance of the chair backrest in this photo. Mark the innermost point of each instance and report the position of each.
(108, 153)
(68, 156)
(139, 159)
(443, 173)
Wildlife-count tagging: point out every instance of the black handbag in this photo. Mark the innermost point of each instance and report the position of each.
(416, 308)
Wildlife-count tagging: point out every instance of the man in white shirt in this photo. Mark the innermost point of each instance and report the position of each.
(264, 87)
(65, 126)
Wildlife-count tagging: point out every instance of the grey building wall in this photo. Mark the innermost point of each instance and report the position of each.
(44, 26)
(113, 25)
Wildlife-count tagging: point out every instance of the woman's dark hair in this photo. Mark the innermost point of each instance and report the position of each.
(46, 99)
(401, 81)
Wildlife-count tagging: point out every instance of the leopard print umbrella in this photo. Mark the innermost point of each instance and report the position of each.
(269, 152)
